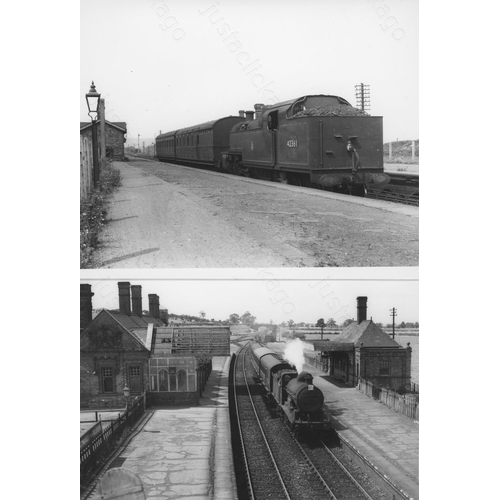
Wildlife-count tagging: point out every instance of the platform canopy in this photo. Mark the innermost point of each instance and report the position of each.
(326, 345)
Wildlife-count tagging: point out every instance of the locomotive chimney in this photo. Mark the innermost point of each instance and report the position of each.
(154, 305)
(258, 110)
(249, 115)
(242, 113)
(85, 305)
(137, 299)
(361, 308)
(124, 297)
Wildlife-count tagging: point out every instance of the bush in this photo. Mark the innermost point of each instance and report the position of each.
(93, 214)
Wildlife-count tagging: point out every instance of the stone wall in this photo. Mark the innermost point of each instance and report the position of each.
(115, 139)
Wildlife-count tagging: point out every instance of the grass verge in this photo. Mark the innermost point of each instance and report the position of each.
(93, 214)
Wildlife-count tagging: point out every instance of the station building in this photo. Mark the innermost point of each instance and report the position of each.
(115, 137)
(133, 348)
(113, 347)
(363, 351)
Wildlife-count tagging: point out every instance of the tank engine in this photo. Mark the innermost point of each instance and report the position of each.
(315, 140)
(300, 402)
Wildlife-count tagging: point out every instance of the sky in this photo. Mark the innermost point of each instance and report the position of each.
(168, 64)
(269, 295)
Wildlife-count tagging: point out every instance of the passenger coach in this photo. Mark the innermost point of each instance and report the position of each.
(202, 144)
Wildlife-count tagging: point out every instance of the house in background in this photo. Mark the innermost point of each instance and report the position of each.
(115, 137)
(114, 349)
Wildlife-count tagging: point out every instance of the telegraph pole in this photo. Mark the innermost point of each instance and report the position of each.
(362, 96)
(393, 314)
(138, 144)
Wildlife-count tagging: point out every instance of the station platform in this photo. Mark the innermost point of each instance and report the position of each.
(387, 439)
(185, 453)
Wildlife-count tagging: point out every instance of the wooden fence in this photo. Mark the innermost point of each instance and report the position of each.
(96, 450)
(86, 166)
(407, 404)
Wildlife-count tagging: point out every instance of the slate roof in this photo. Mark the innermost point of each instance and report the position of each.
(119, 125)
(136, 325)
(366, 332)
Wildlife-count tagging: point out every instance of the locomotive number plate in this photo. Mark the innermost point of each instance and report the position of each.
(292, 143)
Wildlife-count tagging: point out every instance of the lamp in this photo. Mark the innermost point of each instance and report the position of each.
(126, 393)
(93, 98)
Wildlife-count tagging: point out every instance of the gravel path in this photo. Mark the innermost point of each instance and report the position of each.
(171, 216)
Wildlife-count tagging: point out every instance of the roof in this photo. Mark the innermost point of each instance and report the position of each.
(119, 125)
(136, 325)
(366, 333)
(196, 128)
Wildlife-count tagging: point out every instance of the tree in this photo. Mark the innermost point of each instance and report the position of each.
(321, 324)
(247, 319)
(234, 319)
(291, 323)
(203, 314)
(331, 323)
(347, 322)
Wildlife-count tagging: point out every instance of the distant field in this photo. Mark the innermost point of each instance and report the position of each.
(401, 152)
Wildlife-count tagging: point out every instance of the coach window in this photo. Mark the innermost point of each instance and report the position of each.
(272, 121)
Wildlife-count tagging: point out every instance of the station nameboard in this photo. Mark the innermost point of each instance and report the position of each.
(194, 340)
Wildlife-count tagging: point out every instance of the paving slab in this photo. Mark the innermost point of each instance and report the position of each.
(185, 453)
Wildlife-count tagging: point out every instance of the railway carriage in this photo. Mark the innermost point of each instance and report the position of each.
(315, 140)
(199, 145)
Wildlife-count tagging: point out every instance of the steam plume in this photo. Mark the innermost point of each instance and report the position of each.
(294, 353)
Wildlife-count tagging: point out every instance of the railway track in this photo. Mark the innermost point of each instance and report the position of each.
(275, 465)
(403, 188)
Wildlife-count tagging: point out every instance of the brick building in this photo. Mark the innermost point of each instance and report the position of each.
(115, 137)
(363, 351)
(134, 348)
(114, 350)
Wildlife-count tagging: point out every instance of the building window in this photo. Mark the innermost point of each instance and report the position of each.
(107, 380)
(384, 367)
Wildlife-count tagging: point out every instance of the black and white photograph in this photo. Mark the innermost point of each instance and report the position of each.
(286, 388)
(249, 250)
(249, 134)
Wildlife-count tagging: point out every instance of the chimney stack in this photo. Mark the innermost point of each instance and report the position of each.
(85, 305)
(249, 115)
(241, 113)
(137, 299)
(258, 110)
(124, 297)
(154, 305)
(361, 308)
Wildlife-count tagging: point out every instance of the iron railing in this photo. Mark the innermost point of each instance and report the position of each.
(97, 448)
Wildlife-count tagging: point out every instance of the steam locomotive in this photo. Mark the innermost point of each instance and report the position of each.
(299, 401)
(315, 140)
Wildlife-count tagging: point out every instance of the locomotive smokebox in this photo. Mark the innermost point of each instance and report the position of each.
(307, 397)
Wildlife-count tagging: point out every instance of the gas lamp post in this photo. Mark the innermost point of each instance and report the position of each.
(93, 97)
